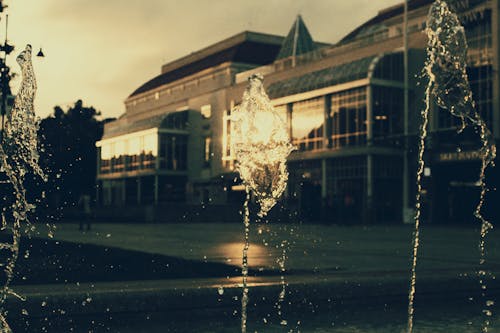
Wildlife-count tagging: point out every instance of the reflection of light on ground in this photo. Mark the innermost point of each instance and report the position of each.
(232, 253)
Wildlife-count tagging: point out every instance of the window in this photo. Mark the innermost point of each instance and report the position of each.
(206, 111)
(348, 118)
(387, 113)
(150, 150)
(173, 152)
(207, 154)
(227, 158)
(134, 153)
(308, 118)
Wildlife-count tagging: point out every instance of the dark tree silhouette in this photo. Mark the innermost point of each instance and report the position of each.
(68, 154)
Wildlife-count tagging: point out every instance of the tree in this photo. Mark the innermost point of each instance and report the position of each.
(68, 153)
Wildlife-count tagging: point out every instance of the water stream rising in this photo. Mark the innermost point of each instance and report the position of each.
(18, 156)
(281, 298)
(449, 87)
(261, 145)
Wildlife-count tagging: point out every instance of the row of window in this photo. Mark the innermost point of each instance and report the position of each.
(143, 152)
(341, 115)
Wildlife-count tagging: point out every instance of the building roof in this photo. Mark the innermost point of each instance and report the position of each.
(375, 23)
(158, 121)
(246, 47)
(355, 70)
(297, 42)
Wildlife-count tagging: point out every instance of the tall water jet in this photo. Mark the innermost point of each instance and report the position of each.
(261, 144)
(18, 156)
(449, 87)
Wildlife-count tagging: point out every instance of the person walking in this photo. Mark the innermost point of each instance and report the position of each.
(86, 212)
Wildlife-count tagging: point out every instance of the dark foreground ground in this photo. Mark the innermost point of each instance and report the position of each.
(185, 278)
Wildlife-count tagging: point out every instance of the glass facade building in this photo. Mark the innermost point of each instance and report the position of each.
(344, 106)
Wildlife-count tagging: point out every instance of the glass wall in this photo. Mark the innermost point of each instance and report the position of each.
(139, 151)
(150, 150)
(173, 152)
(348, 118)
(308, 118)
(387, 114)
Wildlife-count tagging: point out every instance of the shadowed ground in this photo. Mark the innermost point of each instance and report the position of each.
(157, 278)
(311, 248)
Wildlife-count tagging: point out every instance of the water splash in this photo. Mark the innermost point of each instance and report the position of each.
(244, 269)
(448, 84)
(281, 298)
(261, 144)
(18, 155)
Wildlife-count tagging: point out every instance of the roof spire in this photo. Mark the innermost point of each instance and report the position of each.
(297, 42)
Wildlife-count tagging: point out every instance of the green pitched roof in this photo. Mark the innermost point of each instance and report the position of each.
(331, 76)
(297, 42)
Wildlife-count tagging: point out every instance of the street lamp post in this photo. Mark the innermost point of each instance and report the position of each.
(407, 218)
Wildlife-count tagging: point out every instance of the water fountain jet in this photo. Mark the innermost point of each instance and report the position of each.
(261, 144)
(448, 86)
(18, 155)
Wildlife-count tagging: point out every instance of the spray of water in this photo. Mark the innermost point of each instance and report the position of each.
(18, 155)
(281, 298)
(449, 87)
(261, 144)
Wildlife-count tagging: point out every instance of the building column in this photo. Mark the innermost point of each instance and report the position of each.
(495, 30)
(406, 210)
(368, 211)
(324, 192)
(124, 191)
(289, 110)
(369, 114)
(156, 190)
(327, 126)
(139, 190)
(97, 194)
(369, 190)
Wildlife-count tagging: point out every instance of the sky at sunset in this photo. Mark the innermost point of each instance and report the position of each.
(101, 50)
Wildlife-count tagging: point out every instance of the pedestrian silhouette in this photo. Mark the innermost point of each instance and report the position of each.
(86, 212)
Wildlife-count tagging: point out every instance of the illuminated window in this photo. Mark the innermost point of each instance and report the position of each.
(227, 158)
(348, 118)
(208, 151)
(150, 150)
(308, 118)
(281, 110)
(106, 156)
(118, 160)
(206, 111)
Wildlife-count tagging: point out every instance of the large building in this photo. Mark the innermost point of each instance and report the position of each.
(345, 108)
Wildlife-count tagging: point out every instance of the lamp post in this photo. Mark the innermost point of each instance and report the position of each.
(407, 217)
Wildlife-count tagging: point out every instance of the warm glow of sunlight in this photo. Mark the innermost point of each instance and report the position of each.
(258, 255)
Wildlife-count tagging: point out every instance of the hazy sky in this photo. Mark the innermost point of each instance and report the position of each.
(101, 50)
